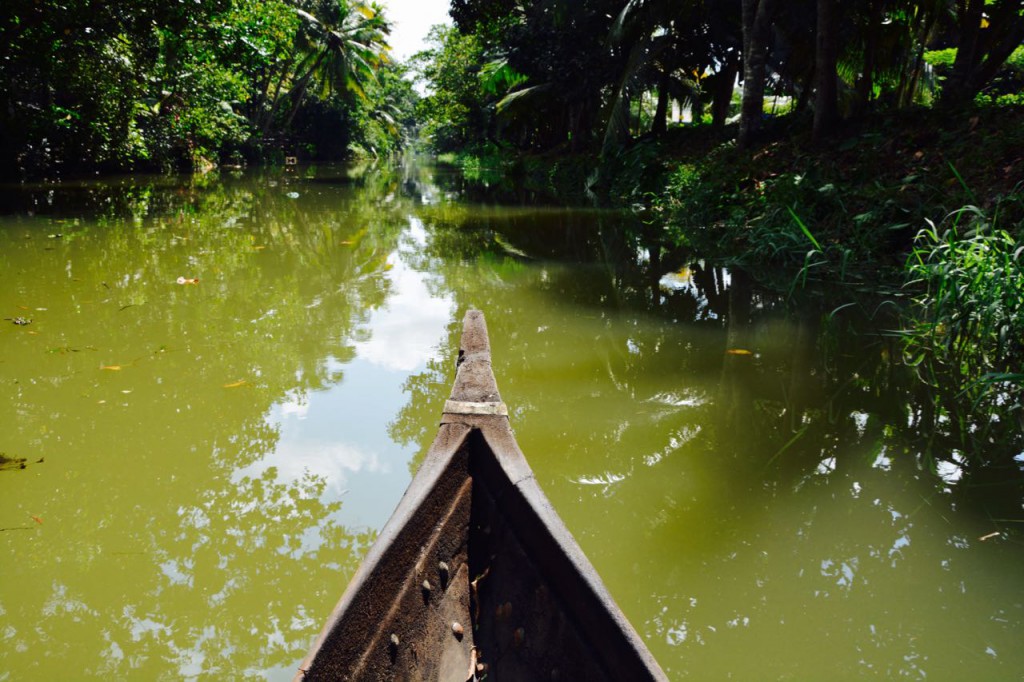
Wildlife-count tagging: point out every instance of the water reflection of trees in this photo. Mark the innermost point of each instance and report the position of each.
(172, 566)
(666, 418)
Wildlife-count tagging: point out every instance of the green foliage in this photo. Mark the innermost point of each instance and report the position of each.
(945, 58)
(453, 114)
(385, 120)
(1013, 99)
(966, 333)
(859, 197)
(941, 58)
(132, 84)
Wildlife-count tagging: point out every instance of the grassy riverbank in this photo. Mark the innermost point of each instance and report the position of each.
(851, 206)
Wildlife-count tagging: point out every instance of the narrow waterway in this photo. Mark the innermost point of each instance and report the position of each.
(216, 389)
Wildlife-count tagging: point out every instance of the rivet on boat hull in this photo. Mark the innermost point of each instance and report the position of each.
(393, 647)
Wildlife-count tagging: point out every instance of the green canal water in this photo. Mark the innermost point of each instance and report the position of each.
(221, 387)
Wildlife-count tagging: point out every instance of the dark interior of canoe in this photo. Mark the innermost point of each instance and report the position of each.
(475, 576)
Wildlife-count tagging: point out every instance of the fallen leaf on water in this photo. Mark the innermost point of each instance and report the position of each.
(347, 242)
(112, 368)
(259, 248)
(188, 280)
(37, 520)
(738, 351)
(126, 391)
(235, 384)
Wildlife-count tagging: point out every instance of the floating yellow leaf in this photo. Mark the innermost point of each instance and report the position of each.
(235, 384)
(738, 351)
(112, 368)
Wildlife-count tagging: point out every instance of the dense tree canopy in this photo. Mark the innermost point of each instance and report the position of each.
(90, 85)
(594, 74)
(150, 84)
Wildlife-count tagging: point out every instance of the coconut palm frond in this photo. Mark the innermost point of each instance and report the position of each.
(514, 100)
(496, 76)
(643, 53)
(624, 18)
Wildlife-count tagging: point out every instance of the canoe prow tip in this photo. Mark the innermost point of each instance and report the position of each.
(475, 388)
(474, 335)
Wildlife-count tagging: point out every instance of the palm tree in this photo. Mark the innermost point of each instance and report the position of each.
(341, 49)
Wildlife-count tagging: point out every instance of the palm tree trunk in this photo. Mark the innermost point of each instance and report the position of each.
(721, 100)
(969, 15)
(659, 125)
(826, 100)
(866, 82)
(980, 55)
(302, 87)
(275, 100)
(756, 17)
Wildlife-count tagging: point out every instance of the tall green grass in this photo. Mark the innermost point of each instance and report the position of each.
(966, 332)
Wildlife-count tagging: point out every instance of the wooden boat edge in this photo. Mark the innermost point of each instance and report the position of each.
(475, 411)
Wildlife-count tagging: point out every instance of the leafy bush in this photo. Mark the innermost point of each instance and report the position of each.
(1010, 99)
(941, 58)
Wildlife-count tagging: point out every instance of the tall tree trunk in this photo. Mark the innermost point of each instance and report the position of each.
(804, 98)
(267, 117)
(725, 80)
(756, 18)
(997, 55)
(969, 15)
(826, 99)
(696, 110)
(659, 125)
(982, 52)
(866, 82)
(300, 91)
(907, 94)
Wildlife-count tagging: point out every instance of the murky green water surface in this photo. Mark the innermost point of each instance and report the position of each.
(220, 388)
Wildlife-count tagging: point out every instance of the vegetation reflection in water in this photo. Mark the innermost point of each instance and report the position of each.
(758, 489)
